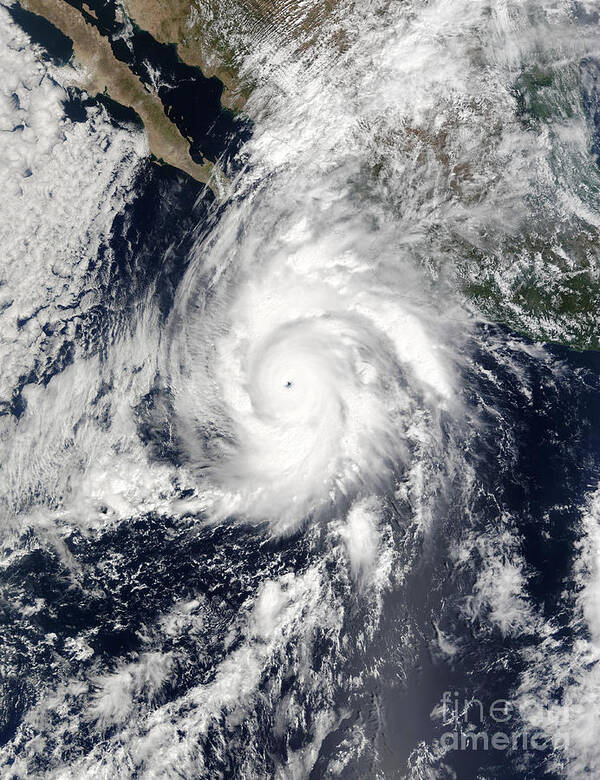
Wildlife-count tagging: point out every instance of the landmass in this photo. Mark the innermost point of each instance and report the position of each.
(543, 283)
(102, 73)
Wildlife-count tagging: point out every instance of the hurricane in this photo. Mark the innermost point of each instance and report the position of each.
(299, 379)
(299, 466)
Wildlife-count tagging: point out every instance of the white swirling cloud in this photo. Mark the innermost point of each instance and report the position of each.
(301, 378)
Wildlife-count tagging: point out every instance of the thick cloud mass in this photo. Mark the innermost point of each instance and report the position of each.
(301, 379)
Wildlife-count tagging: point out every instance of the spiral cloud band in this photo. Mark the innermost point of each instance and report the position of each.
(301, 378)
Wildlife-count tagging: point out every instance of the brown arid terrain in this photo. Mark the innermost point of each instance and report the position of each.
(181, 23)
(212, 35)
(101, 73)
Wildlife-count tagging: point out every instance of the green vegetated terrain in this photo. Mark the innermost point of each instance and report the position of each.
(544, 278)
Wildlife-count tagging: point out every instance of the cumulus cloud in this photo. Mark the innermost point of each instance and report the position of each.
(65, 182)
(560, 687)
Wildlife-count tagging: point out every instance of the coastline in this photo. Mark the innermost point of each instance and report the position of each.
(100, 72)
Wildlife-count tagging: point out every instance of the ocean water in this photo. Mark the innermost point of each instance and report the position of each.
(278, 498)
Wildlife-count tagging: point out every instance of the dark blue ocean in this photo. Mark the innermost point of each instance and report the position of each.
(536, 457)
